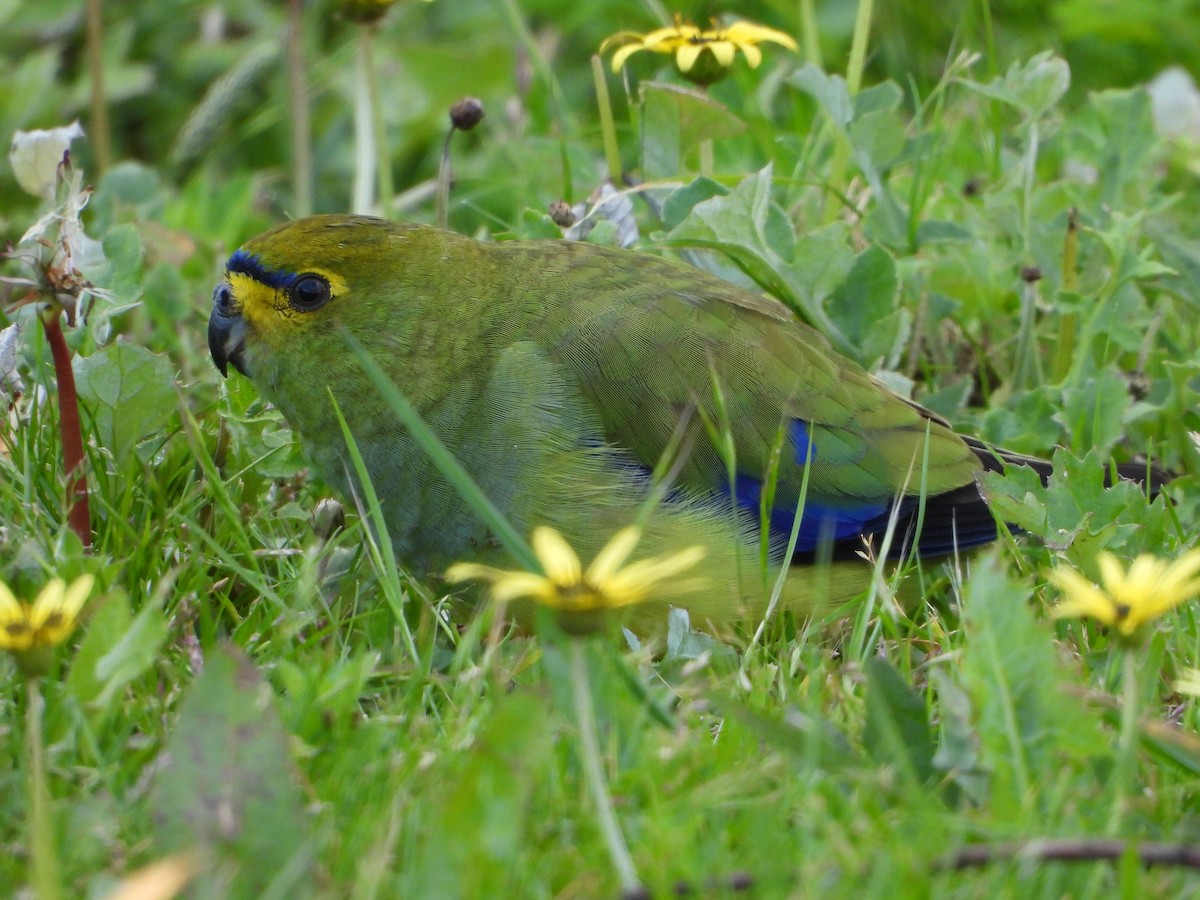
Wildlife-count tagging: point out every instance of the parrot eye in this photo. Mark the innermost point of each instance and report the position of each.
(309, 293)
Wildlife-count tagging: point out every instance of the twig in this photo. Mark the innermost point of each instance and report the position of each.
(79, 516)
(1149, 853)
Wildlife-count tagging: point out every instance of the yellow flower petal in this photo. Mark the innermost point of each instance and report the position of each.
(636, 580)
(723, 51)
(1081, 597)
(519, 585)
(614, 554)
(1130, 598)
(77, 595)
(749, 33)
(1112, 574)
(686, 56)
(1179, 582)
(665, 40)
(620, 57)
(15, 631)
(48, 603)
(8, 600)
(473, 571)
(559, 561)
(619, 39)
(753, 54)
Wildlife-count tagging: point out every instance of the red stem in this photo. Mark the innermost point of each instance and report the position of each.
(79, 516)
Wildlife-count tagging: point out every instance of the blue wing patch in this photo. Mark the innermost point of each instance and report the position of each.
(820, 523)
(803, 447)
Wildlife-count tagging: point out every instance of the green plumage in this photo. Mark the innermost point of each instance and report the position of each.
(557, 373)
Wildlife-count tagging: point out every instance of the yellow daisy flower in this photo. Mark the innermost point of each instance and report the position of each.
(48, 620)
(703, 57)
(606, 584)
(29, 630)
(1129, 598)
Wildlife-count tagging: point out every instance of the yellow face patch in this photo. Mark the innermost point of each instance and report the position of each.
(267, 310)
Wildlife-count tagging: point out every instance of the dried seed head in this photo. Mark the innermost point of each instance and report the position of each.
(561, 214)
(466, 113)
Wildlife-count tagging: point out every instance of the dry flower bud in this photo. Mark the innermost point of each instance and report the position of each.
(466, 113)
(561, 214)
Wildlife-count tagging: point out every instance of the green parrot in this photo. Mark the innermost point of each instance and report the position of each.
(560, 373)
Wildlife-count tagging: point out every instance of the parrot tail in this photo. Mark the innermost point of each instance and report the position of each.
(960, 519)
(995, 459)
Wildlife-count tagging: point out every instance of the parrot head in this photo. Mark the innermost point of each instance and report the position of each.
(296, 279)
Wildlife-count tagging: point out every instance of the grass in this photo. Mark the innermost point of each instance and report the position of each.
(289, 700)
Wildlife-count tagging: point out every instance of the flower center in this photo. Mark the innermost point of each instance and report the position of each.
(581, 596)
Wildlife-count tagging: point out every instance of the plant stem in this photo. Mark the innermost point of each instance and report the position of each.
(854, 73)
(996, 114)
(41, 824)
(608, 130)
(1127, 742)
(101, 133)
(1068, 322)
(302, 174)
(364, 131)
(443, 183)
(383, 158)
(589, 748)
(858, 46)
(78, 516)
(809, 34)
(706, 157)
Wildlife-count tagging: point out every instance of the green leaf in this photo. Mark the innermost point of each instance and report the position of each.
(863, 303)
(1017, 497)
(674, 121)
(799, 734)
(885, 97)
(932, 231)
(105, 628)
(124, 252)
(227, 787)
(681, 201)
(130, 393)
(878, 138)
(897, 727)
(683, 643)
(822, 260)
(830, 92)
(1094, 412)
(477, 812)
(131, 656)
(1127, 139)
(958, 745)
(748, 227)
(538, 226)
(1032, 86)
(1183, 257)
(1026, 716)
